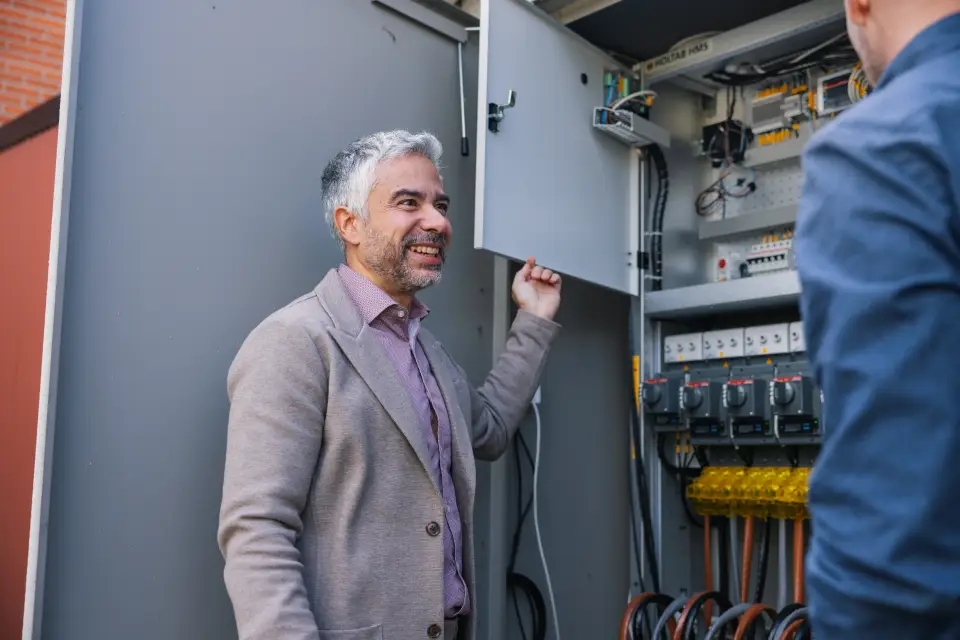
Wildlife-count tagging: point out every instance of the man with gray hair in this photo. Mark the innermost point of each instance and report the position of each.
(349, 487)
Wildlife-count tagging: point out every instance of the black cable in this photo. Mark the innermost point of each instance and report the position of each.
(643, 494)
(684, 475)
(764, 561)
(659, 209)
(836, 53)
(672, 467)
(517, 582)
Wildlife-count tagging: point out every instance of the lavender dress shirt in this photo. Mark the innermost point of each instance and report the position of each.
(397, 329)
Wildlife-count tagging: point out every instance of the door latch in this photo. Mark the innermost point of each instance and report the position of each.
(495, 111)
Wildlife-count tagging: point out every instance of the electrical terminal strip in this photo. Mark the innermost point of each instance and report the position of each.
(774, 492)
(773, 254)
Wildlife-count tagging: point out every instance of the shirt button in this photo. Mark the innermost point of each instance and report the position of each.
(433, 529)
(402, 313)
(434, 631)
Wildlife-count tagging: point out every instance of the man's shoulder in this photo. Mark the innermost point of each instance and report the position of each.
(300, 320)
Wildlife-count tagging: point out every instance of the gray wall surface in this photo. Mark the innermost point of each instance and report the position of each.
(202, 129)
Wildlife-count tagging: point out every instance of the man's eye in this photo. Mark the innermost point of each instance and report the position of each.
(408, 202)
(442, 208)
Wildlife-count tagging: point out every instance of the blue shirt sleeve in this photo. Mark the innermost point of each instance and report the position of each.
(878, 254)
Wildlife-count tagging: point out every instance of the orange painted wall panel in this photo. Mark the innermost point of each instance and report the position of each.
(26, 205)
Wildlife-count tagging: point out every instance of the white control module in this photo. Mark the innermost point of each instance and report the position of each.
(767, 340)
(727, 343)
(797, 345)
(683, 348)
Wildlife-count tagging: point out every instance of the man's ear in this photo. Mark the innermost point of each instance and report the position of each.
(858, 10)
(348, 225)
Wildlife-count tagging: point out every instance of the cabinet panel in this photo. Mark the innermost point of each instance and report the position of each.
(549, 185)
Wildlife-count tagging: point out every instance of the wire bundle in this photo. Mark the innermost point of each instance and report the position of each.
(833, 52)
(659, 209)
(858, 87)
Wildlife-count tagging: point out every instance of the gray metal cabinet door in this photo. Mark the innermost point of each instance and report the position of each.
(200, 130)
(548, 184)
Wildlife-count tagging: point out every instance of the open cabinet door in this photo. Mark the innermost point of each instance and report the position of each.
(549, 185)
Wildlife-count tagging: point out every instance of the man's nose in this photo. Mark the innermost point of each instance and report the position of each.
(435, 220)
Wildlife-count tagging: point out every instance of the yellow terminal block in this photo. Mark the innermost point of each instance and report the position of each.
(774, 492)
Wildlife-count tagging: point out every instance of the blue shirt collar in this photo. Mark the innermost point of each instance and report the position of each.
(938, 39)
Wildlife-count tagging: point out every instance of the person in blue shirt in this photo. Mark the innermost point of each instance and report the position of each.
(878, 253)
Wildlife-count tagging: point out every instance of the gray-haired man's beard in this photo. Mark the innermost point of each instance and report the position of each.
(391, 262)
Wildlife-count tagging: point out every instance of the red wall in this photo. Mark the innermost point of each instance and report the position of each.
(26, 205)
(31, 53)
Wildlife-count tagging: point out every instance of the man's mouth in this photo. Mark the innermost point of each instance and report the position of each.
(425, 250)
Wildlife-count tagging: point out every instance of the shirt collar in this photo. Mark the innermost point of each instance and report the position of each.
(938, 39)
(371, 300)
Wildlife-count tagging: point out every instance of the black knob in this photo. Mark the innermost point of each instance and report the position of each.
(783, 392)
(692, 397)
(736, 395)
(650, 394)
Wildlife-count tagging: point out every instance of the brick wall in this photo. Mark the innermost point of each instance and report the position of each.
(31, 54)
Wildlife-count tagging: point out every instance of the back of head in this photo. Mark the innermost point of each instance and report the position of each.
(881, 29)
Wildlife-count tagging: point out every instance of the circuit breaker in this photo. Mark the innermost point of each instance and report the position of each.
(746, 408)
(701, 400)
(661, 401)
(794, 404)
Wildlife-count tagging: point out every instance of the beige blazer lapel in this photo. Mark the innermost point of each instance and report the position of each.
(362, 347)
(459, 427)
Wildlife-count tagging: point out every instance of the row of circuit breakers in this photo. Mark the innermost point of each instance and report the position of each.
(736, 387)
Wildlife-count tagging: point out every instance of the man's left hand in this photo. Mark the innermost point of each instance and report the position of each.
(537, 290)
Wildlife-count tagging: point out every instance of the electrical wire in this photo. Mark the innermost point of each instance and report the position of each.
(748, 534)
(659, 209)
(640, 471)
(644, 499)
(798, 549)
(834, 51)
(516, 582)
(734, 553)
(536, 525)
(782, 564)
(764, 561)
(708, 566)
(646, 93)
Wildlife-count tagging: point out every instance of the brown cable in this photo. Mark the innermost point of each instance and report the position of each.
(747, 559)
(708, 566)
(750, 616)
(628, 614)
(634, 604)
(685, 617)
(791, 632)
(798, 547)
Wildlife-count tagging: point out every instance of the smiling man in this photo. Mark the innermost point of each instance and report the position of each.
(349, 486)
